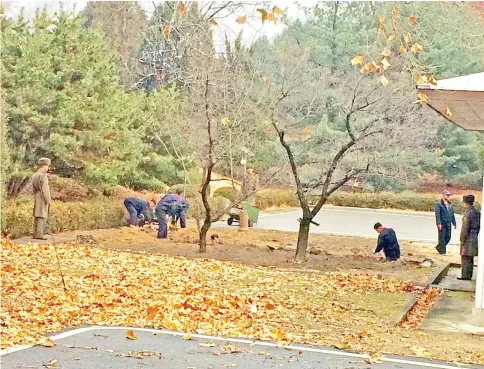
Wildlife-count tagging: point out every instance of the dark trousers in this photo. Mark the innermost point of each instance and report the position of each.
(183, 220)
(467, 266)
(444, 238)
(163, 228)
(133, 213)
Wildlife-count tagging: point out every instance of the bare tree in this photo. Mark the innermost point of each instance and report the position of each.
(335, 124)
(215, 117)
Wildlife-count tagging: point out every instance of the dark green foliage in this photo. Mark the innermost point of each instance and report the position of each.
(64, 99)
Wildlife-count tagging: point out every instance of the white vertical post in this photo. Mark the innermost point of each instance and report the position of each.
(480, 262)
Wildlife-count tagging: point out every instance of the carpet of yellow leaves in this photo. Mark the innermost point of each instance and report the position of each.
(109, 287)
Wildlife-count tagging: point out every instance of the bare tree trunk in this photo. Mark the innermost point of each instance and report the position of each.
(302, 239)
(203, 236)
(207, 177)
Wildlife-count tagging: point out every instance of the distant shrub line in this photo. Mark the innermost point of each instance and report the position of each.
(104, 212)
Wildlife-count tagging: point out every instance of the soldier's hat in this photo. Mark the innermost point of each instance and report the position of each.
(469, 199)
(44, 161)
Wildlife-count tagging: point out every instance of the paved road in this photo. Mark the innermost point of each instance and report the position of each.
(410, 226)
(108, 348)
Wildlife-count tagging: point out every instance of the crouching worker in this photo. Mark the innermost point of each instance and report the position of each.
(138, 207)
(173, 205)
(387, 241)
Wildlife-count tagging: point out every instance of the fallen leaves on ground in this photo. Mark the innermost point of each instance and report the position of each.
(140, 354)
(424, 303)
(48, 342)
(110, 287)
(187, 337)
(51, 364)
(130, 335)
(206, 344)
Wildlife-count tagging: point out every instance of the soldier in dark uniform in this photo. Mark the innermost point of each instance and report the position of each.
(40, 186)
(469, 237)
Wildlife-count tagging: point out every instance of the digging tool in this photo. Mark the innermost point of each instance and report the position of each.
(57, 257)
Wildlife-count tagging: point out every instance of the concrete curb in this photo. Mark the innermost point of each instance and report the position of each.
(402, 315)
(435, 278)
(439, 274)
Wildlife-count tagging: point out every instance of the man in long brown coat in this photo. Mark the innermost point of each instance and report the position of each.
(250, 185)
(469, 237)
(40, 185)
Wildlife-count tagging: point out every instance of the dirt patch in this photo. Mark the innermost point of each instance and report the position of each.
(276, 249)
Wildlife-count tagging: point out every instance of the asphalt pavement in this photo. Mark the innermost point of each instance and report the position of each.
(410, 226)
(109, 348)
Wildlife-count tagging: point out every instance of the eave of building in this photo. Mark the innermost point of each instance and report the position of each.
(463, 96)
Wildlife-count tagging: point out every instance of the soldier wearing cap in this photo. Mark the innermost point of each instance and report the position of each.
(445, 218)
(250, 184)
(469, 237)
(40, 186)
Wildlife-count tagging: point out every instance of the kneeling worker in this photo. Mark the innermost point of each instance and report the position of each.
(173, 205)
(471, 224)
(136, 207)
(387, 241)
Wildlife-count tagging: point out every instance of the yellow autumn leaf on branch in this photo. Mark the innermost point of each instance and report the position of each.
(412, 20)
(403, 49)
(359, 59)
(213, 22)
(265, 78)
(225, 121)
(386, 64)
(374, 66)
(381, 29)
(448, 113)
(423, 98)
(381, 18)
(408, 38)
(263, 14)
(386, 53)
(432, 81)
(308, 132)
(366, 68)
(270, 17)
(421, 79)
(166, 30)
(241, 20)
(130, 335)
(384, 81)
(182, 8)
(277, 10)
(391, 38)
(416, 47)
